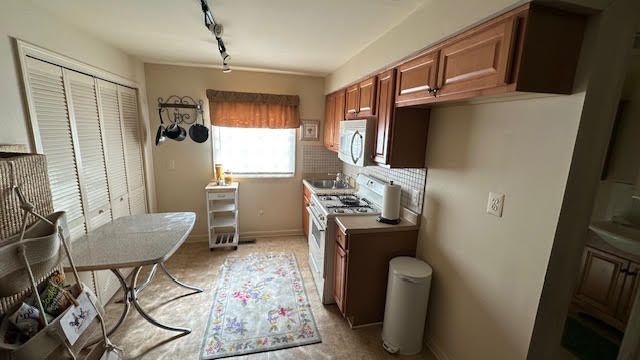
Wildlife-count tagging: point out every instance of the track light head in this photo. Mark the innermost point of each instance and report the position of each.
(225, 68)
(225, 57)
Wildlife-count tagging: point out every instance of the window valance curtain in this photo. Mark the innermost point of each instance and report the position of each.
(253, 110)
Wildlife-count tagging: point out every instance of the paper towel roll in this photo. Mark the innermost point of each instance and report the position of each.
(391, 201)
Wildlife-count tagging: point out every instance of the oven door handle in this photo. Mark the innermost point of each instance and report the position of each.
(315, 219)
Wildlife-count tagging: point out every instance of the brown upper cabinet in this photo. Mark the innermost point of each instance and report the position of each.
(333, 114)
(329, 109)
(338, 116)
(360, 99)
(480, 60)
(531, 49)
(417, 79)
(401, 133)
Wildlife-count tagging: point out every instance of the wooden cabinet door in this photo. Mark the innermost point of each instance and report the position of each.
(386, 83)
(306, 197)
(352, 102)
(338, 116)
(629, 292)
(329, 109)
(479, 61)
(415, 78)
(340, 273)
(601, 283)
(367, 97)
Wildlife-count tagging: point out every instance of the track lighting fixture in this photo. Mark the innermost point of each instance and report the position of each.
(216, 29)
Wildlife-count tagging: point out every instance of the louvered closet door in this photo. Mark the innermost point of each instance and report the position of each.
(93, 173)
(133, 149)
(109, 107)
(54, 138)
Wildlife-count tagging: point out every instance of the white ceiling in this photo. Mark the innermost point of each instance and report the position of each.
(307, 36)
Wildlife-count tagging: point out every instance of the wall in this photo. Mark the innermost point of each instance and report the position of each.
(489, 271)
(614, 193)
(182, 188)
(17, 20)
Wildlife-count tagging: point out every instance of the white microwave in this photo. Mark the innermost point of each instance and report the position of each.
(356, 141)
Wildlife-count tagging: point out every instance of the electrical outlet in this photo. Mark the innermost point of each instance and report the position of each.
(495, 203)
(260, 212)
(415, 197)
(172, 164)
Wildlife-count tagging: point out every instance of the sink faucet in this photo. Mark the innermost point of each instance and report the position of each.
(339, 176)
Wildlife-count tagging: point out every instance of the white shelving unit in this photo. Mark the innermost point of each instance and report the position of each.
(222, 215)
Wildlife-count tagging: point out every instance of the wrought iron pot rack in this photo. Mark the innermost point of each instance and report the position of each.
(180, 110)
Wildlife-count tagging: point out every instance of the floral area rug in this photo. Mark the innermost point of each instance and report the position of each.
(260, 305)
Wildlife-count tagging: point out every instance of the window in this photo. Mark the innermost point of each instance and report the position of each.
(255, 151)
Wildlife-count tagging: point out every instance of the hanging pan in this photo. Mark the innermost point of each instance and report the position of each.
(199, 132)
(160, 134)
(175, 131)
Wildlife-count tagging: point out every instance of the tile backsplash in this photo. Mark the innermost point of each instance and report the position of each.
(408, 179)
(318, 160)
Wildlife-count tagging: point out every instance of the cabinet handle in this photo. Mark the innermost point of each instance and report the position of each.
(434, 91)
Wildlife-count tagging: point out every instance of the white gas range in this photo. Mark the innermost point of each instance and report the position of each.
(323, 209)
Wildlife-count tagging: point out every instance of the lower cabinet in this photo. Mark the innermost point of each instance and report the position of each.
(361, 269)
(306, 198)
(607, 285)
(340, 271)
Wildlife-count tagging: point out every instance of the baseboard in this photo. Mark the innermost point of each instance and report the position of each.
(251, 235)
(270, 233)
(436, 350)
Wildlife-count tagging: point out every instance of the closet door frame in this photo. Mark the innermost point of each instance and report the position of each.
(26, 49)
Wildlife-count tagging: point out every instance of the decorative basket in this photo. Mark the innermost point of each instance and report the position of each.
(30, 172)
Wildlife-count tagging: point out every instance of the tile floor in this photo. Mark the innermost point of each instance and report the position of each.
(196, 265)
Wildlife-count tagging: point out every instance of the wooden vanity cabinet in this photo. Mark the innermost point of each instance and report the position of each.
(306, 199)
(401, 133)
(360, 99)
(333, 114)
(608, 283)
(361, 269)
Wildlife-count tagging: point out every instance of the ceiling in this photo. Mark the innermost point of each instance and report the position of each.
(305, 36)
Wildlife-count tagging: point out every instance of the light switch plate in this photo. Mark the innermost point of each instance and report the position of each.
(495, 204)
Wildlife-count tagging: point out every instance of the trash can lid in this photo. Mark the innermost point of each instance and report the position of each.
(410, 267)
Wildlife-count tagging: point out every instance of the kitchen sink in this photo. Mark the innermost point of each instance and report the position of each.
(624, 236)
(329, 184)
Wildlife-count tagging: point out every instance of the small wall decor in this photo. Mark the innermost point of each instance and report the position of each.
(177, 110)
(310, 130)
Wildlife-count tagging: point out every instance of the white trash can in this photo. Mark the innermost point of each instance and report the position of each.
(406, 307)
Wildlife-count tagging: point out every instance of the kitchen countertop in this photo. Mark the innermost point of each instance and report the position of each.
(363, 224)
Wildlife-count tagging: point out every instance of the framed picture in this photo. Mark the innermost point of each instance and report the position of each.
(310, 130)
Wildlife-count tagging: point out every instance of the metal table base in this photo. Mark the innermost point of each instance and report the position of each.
(131, 291)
